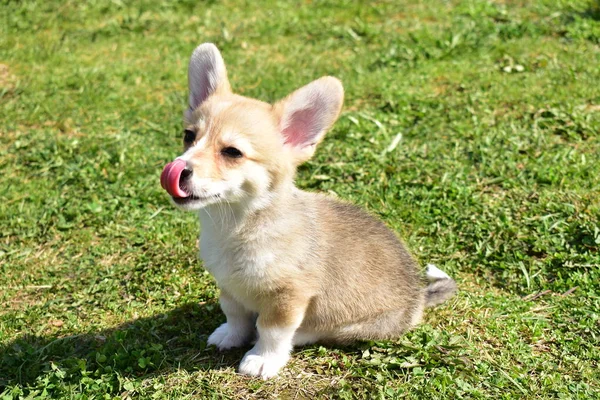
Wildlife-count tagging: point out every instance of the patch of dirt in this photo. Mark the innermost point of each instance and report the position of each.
(7, 80)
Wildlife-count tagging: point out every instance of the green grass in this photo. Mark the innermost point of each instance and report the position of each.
(496, 179)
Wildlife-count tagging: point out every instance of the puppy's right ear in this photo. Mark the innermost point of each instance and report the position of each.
(206, 75)
(307, 114)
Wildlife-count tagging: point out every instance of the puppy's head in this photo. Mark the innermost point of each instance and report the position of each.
(241, 150)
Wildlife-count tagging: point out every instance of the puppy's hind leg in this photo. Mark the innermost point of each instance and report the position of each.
(303, 337)
(385, 325)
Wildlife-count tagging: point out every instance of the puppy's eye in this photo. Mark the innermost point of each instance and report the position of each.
(231, 152)
(189, 136)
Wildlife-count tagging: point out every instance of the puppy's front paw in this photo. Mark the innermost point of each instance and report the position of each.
(224, 338)
(264, 365)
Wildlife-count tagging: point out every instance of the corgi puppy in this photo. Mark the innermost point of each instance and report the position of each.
(293, 267)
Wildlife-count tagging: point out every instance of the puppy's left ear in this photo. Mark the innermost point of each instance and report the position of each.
(207, 75)
(307, 114)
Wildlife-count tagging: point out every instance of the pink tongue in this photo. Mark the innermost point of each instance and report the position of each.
(169, 179)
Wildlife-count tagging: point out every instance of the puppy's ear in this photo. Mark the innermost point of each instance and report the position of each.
(206, 74)
(307, 114)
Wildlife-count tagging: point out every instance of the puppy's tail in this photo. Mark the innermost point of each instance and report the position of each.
(441, 287)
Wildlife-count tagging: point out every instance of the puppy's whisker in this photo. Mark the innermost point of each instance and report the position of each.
(210, 216)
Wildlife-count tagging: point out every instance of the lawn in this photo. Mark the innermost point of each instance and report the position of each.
(470, 127)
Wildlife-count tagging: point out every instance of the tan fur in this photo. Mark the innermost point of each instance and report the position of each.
(362, 282)
(301, 262)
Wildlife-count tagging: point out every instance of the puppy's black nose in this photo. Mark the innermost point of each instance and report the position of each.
(185, 174)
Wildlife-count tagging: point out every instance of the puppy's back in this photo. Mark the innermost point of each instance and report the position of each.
(366, 271)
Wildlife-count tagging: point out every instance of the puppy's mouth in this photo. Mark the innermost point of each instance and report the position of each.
(173, 179)
(192, 199)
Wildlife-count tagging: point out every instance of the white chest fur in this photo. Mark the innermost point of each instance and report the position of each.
(243, 264)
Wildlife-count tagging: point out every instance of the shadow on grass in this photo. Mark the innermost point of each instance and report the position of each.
(593, 11)
(170, 341)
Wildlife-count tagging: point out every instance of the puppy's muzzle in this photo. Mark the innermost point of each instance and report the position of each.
(173, 178)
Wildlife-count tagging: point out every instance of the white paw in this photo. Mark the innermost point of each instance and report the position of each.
(224, 339)
(266, 365)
